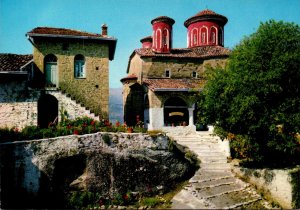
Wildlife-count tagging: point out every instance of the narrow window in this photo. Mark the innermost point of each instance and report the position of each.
(213, 37)
(203, 38)
(168, 73)
(194, 75)
(195, 39)
(79, 66)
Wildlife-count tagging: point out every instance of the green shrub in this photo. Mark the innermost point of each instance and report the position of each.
(150, 201)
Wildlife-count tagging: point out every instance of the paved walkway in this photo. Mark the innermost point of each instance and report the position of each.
(214, 186)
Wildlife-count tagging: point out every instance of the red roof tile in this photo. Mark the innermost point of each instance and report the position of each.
(146, 39)
(129, 77)
(163, 19)
(206, 15)
(197, 52)
(171, 84)
(61, 31)
(13, 62)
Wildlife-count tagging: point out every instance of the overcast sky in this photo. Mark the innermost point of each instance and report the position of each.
(129, 21)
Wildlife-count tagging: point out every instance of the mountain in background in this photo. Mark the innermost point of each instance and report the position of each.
(115, 105)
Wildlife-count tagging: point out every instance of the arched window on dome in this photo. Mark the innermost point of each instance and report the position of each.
(165, 39)
(220, 37)
(158, 38)
(203, 34)
(194, 37)
(213, 33)
(79, 66)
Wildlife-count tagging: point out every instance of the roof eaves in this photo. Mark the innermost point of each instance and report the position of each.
(71, 36)
(14, 72)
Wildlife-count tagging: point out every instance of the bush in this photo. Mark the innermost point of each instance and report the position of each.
(79, 126)
(256, 98)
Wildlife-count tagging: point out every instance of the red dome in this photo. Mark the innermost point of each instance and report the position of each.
(206, 15)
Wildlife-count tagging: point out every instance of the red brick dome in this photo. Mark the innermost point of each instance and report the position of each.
(206, 15)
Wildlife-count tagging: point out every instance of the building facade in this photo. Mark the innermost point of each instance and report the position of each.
(162, 81)
(69, 74)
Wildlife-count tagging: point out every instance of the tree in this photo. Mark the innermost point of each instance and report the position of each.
(255, 100)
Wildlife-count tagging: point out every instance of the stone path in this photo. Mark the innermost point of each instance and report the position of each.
(214, 186)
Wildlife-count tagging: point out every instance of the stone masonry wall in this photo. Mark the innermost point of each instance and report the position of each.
(92, 91)
(179, 68)
(18, 105)
(280, 185)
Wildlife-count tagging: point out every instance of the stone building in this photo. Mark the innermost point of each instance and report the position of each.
(68, 73)
(161, 80)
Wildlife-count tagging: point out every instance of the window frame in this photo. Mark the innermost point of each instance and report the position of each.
(79, 67)
(168, 73)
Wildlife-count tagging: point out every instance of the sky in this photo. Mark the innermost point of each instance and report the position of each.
(129, 21)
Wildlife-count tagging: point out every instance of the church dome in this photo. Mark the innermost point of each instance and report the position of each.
(206, 15)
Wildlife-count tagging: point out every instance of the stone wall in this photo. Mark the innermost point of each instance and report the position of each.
(179, 68)
(39, 173)
(280, 185)
(92, 91)
(18, 105)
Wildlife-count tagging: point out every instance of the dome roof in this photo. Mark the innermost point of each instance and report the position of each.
(146, 39)
(206, 15)
(163, 19)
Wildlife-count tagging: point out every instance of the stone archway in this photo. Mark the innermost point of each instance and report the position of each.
(47, 110)
(176, 112)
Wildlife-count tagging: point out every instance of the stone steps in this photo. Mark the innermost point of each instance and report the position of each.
(214, 186)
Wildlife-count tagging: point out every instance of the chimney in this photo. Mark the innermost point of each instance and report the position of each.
(104, 30)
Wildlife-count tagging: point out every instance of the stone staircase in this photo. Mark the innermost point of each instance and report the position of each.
(73, 108)
(214, 185)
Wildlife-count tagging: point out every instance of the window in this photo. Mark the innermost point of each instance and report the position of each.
(194, 74)
(195, 39)
(213, 37)
(168, 73)
(203, 38)
(79, 66)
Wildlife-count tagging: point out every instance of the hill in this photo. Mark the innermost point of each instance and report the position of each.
(115, 105)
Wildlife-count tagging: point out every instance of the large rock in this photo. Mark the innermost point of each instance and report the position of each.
(39, 174)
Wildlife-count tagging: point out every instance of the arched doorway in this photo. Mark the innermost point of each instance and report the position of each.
(134, 106)
(47, 110)
(51, 70)
(175, 112)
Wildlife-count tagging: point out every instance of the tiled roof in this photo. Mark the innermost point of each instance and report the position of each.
(131, 76)
(146, 39)
(197, 52)
(61, 31)
(206, 14)
(166, 84)
(13, 62)
(164, 19)
(49, 32)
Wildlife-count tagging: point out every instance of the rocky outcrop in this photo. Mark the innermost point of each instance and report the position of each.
(39, 173)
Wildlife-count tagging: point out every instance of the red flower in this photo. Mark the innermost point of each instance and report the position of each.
(75, 132)
(125, 197)
(69, 127)
(117, 123)
(93, 122)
